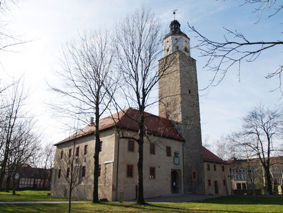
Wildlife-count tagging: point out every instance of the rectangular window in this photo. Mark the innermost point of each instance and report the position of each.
(130, 171)
(70, 153)
(77, 151)
(152, 173)
(83, 171)
(194, 175)
(59, 173)
(168, 151)
(224, 182)
(152, 149)
(99, 170)
(61, 155)
(68, 172)
(131, 146)
(85, 150)
(208, 167)
(100, 149)
(223, 168)
(214, 167)
(209, 182)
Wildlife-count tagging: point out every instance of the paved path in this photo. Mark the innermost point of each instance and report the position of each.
(40, 202)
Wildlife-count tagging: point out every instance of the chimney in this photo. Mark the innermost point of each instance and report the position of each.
(91, 120)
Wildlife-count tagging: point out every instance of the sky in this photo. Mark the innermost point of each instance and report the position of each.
(49, 25)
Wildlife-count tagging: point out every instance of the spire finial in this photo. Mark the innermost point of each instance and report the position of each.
(174, 12)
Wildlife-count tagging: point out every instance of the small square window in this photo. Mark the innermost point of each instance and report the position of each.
(130, 171)
(152, 149)
(131, 146)
(168, 151)
(152, 173)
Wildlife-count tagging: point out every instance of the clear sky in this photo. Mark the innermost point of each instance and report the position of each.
(50, 24)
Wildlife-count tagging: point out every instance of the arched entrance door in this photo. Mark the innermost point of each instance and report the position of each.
(175, 182)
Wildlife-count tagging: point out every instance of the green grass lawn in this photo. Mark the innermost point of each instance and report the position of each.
(229, 204)
(29, 195)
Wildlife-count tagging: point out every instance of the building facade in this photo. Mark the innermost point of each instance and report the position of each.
(246, 172)
(173, 155)
(216, 173)
(163, 167)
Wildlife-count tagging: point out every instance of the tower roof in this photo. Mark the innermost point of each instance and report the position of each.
(175, 29)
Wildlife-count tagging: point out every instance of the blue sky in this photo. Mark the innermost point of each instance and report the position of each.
(50, 24)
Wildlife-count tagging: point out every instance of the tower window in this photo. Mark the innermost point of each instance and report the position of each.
(194, 175)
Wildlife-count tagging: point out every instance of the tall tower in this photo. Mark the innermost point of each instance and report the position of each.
(179, 102)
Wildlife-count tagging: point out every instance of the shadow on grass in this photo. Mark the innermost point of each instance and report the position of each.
(246, 199)
(163, 207)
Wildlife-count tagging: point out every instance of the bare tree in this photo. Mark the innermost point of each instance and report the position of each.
(138, 43)
(45, 160)
(225, 149)
(25, 145)
(88, 84)
(12, 101)
(261, 127)
(70, 169)
(236, 47)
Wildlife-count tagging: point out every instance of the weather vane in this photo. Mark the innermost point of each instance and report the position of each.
(174, 12)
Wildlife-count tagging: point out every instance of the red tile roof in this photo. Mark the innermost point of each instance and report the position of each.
(208, 156)
(127, 119)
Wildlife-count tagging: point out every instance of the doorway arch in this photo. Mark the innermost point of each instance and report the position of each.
(175, 182)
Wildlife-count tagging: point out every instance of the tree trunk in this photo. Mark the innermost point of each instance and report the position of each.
(95, 198)
(140, 196)
(8, 180)
(14, 184)
(268, 178)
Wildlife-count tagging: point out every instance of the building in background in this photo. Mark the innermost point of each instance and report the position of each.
(216, 173)
(247, 172)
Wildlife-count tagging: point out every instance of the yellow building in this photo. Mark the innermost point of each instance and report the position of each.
(216, 173)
